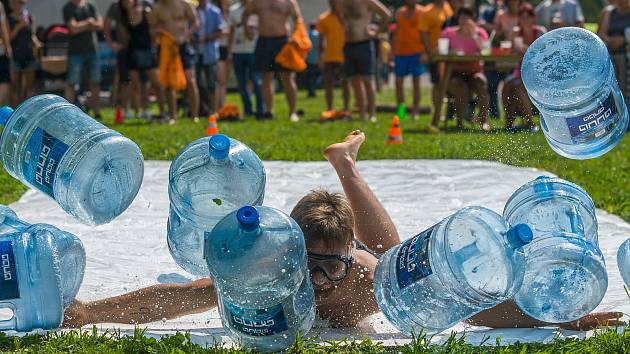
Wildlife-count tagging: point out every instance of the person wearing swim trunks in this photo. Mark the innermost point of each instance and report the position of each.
(273, 32)
(178, 18)
(330, 47)
(409, 54)
(359, 51)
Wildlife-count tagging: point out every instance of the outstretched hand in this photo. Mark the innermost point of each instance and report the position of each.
(595, 320)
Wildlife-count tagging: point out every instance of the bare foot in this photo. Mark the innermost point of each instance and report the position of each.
(347, 150)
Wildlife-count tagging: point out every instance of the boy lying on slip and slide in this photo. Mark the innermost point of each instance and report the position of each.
(341, 234)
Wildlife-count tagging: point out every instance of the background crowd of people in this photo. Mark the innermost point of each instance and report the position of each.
(355, 45)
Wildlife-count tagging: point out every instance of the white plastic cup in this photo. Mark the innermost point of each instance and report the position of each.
(443, 44)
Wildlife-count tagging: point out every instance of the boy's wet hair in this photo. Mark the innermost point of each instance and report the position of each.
(326, 216)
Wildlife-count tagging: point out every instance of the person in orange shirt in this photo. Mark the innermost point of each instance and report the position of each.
(330, 48)
(431, 23)
(409, 56)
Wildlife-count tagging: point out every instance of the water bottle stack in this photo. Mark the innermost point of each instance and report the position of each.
(257, 257)
(208, 179)
(469, 262)
(92, 172)
(565, 274)
(42, 271)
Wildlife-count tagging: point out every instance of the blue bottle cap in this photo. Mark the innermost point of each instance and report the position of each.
(248, 218)
(219, 146)
(5, 113)
(520, 235)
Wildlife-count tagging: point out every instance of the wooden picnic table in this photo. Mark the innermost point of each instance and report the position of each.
(451, 59)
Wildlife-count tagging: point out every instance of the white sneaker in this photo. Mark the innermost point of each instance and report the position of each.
(294, 117)
(373, 119)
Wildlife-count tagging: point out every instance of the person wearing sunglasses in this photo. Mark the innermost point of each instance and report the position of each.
(344, 234)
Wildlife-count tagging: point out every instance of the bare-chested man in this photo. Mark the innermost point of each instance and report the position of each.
(273, 31)
(359, 51)
(178, 18)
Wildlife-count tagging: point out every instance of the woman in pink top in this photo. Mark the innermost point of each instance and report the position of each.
(468, 78)
(514, 95)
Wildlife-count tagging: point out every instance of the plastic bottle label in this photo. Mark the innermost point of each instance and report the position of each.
(413, 259)
(257, 322)
(583, 128)
(41, 160)
(8, 283)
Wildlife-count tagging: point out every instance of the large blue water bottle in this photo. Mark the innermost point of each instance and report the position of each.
(469, 262)
(257, 258)
(208, 179)
(623, 262)
(67, 247)
(30, 285)
(565, 276)
(93, 172)
(570, 78)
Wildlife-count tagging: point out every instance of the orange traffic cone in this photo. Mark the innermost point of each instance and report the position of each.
(119, 119)
(212, 129)
(395, 133)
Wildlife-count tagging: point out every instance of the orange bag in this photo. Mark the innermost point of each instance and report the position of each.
(293, 54)
(171, 69)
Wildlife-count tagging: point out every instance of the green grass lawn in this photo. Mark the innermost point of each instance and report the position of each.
(605, 178)
(604, 341)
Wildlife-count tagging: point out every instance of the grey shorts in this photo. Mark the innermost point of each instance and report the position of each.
(359, 58)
